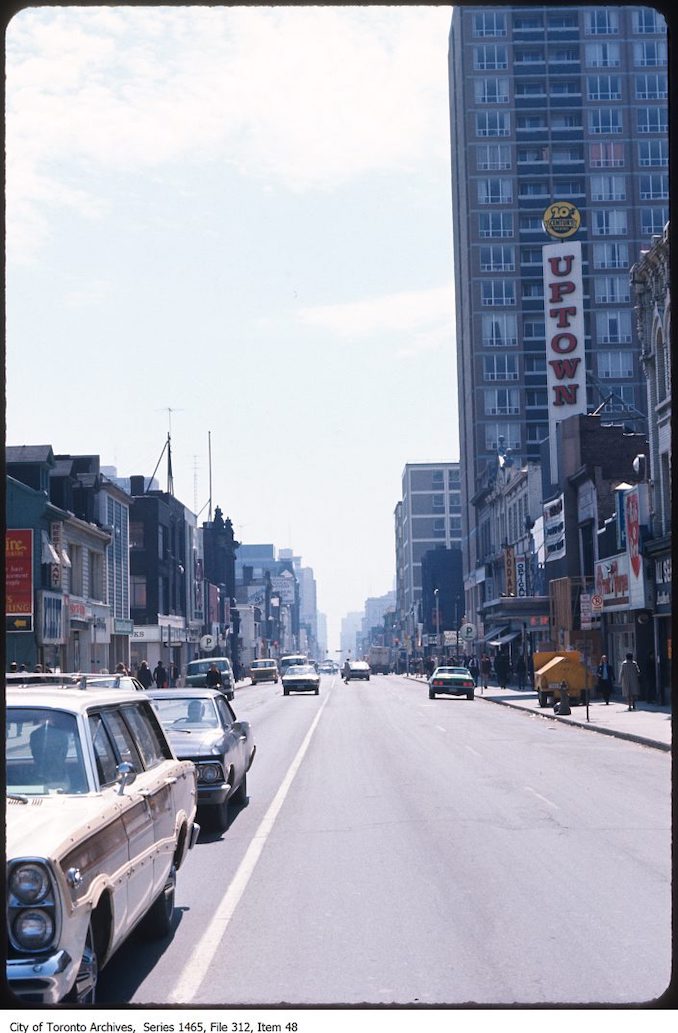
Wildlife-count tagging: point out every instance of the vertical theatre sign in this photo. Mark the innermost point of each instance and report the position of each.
(19, 580)
(564, 321)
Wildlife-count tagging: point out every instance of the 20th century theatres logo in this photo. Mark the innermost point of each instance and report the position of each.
(561, 219)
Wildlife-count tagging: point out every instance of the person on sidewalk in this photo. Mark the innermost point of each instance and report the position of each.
(521, 672)
(629, 679)
(604, 675)
(485, 669)
(144, 675)
(501, 669)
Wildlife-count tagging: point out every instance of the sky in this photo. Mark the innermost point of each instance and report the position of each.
(233, 225)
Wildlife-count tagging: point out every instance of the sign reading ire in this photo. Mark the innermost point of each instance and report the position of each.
(564, 318)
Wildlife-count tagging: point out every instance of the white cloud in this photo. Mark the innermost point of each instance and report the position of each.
(423, 316)
(308, 98)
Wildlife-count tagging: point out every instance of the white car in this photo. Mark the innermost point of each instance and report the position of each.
(301, 678)
(100, 817)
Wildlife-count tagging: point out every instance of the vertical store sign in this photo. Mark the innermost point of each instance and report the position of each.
(521, 577)
(19, 580)
(564, 321)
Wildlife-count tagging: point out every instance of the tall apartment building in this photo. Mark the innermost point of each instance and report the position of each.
(428, 517)
(549, 104)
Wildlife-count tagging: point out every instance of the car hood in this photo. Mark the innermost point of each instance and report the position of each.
(49, 826)
(196, 743)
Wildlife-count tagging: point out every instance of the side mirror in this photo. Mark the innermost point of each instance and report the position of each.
(126, 775)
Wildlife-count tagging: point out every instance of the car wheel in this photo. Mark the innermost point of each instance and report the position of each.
(158, 920)
(240, 795)
(218, 816)
(286, 692)
(317, 692)
(431, 694)
(543, 699)
(469, 695)
(83, 990)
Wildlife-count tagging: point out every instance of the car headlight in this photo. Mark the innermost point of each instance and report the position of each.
(210, 773)
(33, 929)
(29, 883)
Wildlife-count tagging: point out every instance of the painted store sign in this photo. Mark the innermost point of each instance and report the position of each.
(19, 580)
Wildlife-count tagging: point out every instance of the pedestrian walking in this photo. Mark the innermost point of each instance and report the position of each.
(521, 672)
(629, 679)
(604, 675)
(485, 670)
(501, 669)
(160, 675)
(474, 670)
(144, 675)
(121, 669)
(213, 679)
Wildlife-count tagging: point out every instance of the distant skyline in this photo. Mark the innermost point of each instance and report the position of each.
(237, 222)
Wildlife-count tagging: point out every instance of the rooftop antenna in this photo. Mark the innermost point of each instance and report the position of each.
(170, 477)
(209, 454)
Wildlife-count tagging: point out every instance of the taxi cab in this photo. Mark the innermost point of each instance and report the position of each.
(100, 817)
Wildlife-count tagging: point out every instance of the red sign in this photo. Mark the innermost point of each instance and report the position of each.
(18, 572)
(633, 530)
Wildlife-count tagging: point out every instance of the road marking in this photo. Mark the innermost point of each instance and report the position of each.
(529, 789)
(205, 950)
(441, 728)
(471, 750)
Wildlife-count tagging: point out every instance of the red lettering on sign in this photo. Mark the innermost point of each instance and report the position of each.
(570, 343)
(565, 394)
(559, 289)
(564, 368)
(562, 314)
(555, 264)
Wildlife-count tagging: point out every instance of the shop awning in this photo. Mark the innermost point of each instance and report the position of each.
(501, 640)
(494, 633)
(49, 553)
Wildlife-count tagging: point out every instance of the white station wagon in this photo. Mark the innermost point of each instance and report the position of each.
(100, 816)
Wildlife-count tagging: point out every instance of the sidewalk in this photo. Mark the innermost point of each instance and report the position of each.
(650, 724)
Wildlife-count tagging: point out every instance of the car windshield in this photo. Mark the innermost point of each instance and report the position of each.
(203, 666)
(262, 664)
(301, 669)
(359, 665)
(187, 712)
(44, 752)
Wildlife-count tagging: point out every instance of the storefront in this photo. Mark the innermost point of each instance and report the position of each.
(660, 557)
(51, 630)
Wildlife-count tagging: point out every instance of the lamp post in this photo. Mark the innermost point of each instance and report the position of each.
(436, 593)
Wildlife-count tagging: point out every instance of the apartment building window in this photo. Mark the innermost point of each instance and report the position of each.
(605, 120)
(500, 331)
(609, 222)
(136, 534)
(602, 55)
(489, 23)
(526, 123)
(531, 224)
(611, 256)
(534, 329)
(653, 220)
(495, 191)
(491, 91)
(606, 155)
(531, 256)
(536, 432)
(495, 224)
(490, 57)
(509, 432)
(652, 87)
(438, 528)
(564, 88)
(529, 56)
(538, 189)
(652, 120)
(138, 595)
(645, 20)
(493, 156)
(608, 188)
(498, 258)
(96, 576)
(612, 289)
(603, 87)
(654, 188)
(75, 554)
(530, 89)
(162, 542)
(613, 327)
(649, 54)
(561, 155)
(565, 187)
(497, 292)
(568, 120)
(502, 401)
(500, 367)
(438, 501)
(564, 55)
(536, 398)
(653, 152)
(493, 123)
(601, 21)
(530, 155)
(532, 290)
(560, 20)
(527, 22)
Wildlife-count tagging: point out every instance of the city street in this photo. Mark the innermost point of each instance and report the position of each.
(401, 850)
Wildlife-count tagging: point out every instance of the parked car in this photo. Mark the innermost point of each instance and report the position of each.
(196, 674)
(357, 669)
(77, 680)
(100, 816)
(301, 678)
(455, 681)
(263, 670)
(203, 728)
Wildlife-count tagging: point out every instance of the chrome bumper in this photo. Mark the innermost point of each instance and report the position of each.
(43, 980)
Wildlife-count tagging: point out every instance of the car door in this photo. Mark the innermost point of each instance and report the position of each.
(237, 739)
(113, 745)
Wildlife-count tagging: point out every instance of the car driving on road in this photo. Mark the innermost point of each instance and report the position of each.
(301, 678)
(100, 817)
(197, 670)
(263, 670)
(356, 670)
(203, 728)
(456, 681)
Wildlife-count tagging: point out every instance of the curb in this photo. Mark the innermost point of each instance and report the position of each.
(616, 734)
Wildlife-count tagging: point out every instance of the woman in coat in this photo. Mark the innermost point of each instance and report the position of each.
(629, 679)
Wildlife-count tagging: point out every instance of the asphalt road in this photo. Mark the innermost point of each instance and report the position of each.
(397, 850)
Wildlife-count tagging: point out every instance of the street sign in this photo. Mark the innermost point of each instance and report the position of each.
(207, 643)
(596, 603)
(468, 632)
